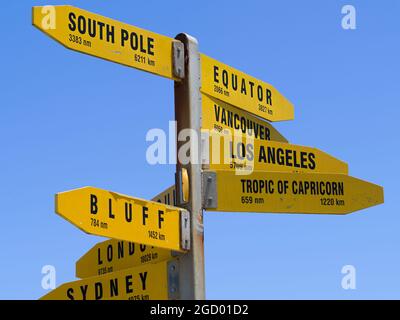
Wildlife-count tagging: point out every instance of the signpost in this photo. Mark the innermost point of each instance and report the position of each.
(243, 91)
(188, 175)
(256, 169)
(113, 215)
(109, 39)
(288, 193)
(220, 117)
(244, 155)
(157, 281)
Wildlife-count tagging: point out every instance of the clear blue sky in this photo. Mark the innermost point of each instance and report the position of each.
(69, 120)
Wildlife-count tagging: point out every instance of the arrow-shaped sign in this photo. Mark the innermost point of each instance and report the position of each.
(114, 215)
(288, 192)
(156, 281)
(108, 39)
(115, 255)
(243, 91)
(245, 155)
(221, 117)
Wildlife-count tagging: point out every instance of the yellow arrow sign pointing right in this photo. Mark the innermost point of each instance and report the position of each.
(279, 192)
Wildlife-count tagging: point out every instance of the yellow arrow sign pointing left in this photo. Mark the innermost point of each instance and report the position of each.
(106, 38)
(116, 255)
(147, 282)
(113, 215)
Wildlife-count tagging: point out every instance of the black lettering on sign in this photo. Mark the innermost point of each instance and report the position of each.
(81, 25)
(150, 46)
(143, 278)
(250, 152)
(291, 158)
(99, 260)
(243, 88)
(124, 210)
(137, 42)
(128, 212)
(311, 158)
(216, 74)
(251, 83)
(287, 157)
(129, 284)
(160, 218)
(241, 151)
(91, 27)
(101, 28)
(84, 291)
(124, 37)
(93, 204)
(257, 186)
(72, 22)
(110, 214)
(106, 32)
(110, 34)
(109, 253)
(234, 82)
(131, 248)
(231, 82)
(145, 214)
(241, 123)
(98, 289)
(114, 287)
(303, 160)
(134, 41)
(120, 249)
(70, 294)
(318, 188)
(269, 97)
(225, 81)
(260, 93)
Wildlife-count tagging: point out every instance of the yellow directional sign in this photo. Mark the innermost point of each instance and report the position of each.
(220, 117)
(288, 193)
(148, 282)
(243, 91)
(168, 196)
(114, 215)
(246, 155)
(106, 38)
(115, 255)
